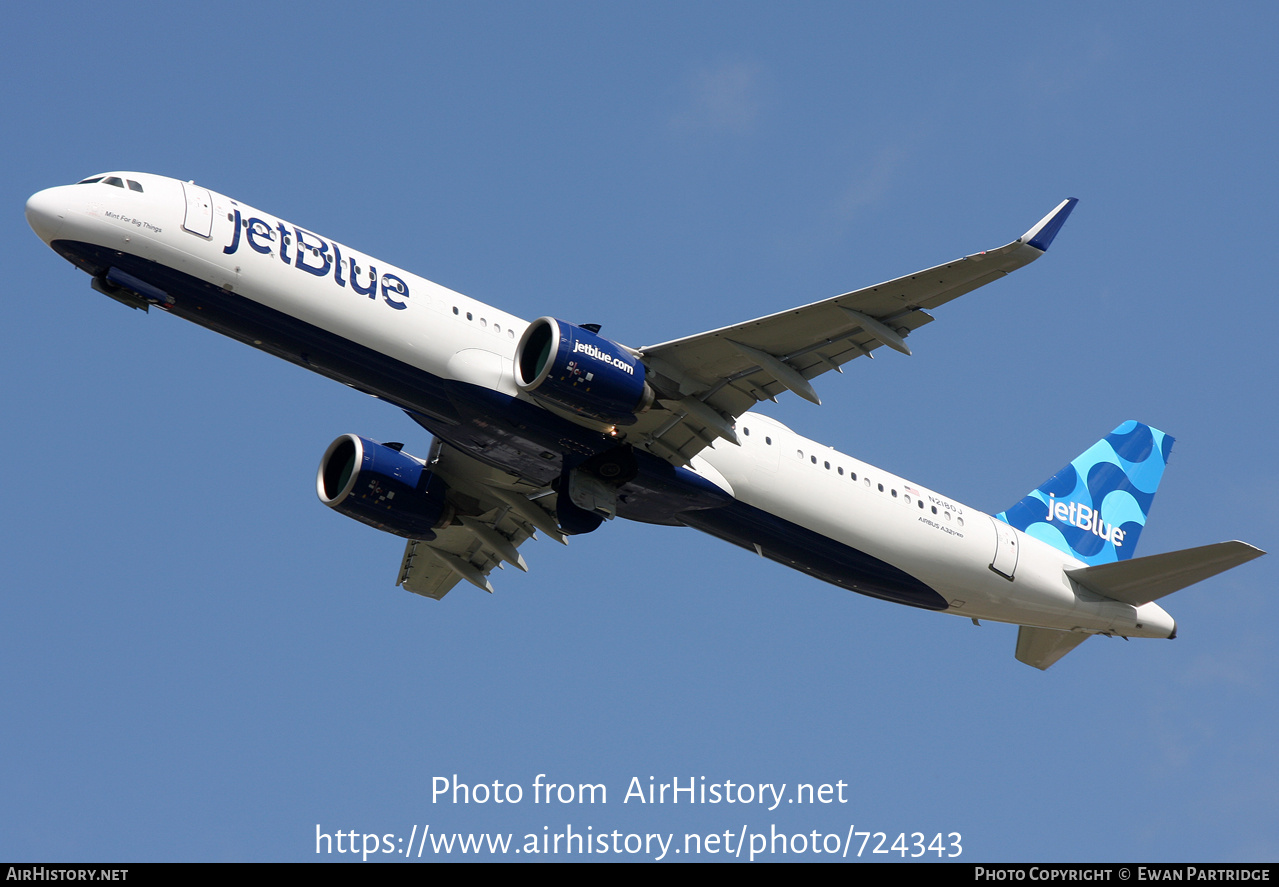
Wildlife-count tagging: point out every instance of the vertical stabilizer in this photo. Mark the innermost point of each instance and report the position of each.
(1095, 508)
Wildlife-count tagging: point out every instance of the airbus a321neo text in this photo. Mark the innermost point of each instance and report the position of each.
(548, 426)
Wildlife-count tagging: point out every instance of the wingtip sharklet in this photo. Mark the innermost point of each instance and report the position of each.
(1041, 236)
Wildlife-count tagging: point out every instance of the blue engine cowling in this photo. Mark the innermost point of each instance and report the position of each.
(382, 487)
(579, 371)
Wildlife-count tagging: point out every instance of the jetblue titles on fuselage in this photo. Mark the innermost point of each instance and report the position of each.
(311, 253)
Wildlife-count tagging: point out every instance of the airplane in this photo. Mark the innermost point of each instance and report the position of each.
(550, 427)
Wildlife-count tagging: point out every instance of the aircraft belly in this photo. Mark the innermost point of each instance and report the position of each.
(813, 553)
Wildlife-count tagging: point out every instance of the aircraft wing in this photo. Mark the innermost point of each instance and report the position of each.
(493, 516)
(722, 373)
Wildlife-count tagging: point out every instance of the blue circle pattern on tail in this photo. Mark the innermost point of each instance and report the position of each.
(1095, 508)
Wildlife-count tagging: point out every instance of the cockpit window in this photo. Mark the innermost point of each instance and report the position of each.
(116, 181)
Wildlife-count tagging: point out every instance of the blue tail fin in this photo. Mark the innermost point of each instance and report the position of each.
(1095, 507)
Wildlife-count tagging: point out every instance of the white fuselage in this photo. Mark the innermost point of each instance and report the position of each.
(980, 566)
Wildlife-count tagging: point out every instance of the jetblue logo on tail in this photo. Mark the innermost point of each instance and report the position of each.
(1079, 515)
(1095, 508)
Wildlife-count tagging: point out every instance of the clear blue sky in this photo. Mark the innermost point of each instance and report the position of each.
(201, 662)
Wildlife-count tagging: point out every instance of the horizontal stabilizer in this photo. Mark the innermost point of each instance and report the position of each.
(1041, 647)
(1144, 579)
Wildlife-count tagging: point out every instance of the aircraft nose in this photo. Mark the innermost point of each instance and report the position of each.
(46, 211)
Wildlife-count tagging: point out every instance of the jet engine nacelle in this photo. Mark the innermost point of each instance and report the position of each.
(577, 370)
(382, 487)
